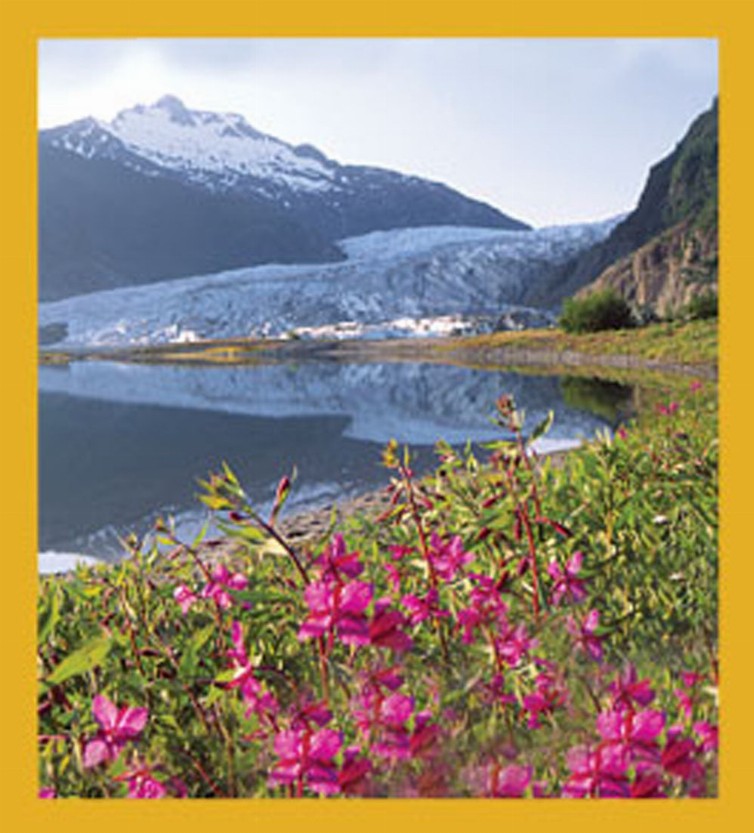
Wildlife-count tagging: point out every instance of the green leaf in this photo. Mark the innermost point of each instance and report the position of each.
(49, 618)
(542, 427)
(88, 656)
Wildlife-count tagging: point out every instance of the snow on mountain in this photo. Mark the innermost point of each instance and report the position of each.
(415, 274)
(203, 143)
(212, 149)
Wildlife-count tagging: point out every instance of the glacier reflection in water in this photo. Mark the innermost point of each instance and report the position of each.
(121, 443)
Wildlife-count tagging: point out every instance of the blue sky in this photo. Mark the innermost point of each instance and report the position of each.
(548, 130)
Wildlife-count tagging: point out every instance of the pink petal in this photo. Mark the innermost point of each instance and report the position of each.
(95, 752)
(647, 725)
(574, 565)
(396, 709)
(131, 721)
(237, 581)
(610, 725)
(356, 597)
(288, 744)
(325, 744)
(105, 712)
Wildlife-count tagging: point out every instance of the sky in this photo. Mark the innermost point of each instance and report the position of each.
(549, 131)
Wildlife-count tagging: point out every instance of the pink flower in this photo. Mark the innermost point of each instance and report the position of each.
(421, 608)
(509, 782)
(184, 597)
(335, 562)
(548, 695)
(707, 734)
(254, 695)
(353, 778)
(383, 720)
(634, 733)
(221, 582)
(424, 738)
(627, 689)
(142, 784)
(47, 792)
(117, 727)
(584, 633)
(679, 755)
(513, 643)
(648, 784)
(566, 582)
(448, 558)
(337, 609)
(306, 758)
(385, 628)
(596, 773)
(400, 551)
(695, 386)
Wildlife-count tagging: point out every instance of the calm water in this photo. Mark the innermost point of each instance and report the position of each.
(120, 444)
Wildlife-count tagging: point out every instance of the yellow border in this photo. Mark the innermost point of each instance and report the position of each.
(22, 23)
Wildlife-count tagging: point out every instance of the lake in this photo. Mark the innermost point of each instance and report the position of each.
(120, 444)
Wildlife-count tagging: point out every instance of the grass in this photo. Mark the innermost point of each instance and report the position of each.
(693, 342)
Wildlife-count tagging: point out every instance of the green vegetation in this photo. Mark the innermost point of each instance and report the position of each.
(675, 342)
(496, 632)
(600, 310)
(702, 307)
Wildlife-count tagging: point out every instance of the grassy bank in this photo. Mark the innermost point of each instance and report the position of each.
(506, 629)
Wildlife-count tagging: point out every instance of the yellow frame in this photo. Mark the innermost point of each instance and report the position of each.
(23, 23)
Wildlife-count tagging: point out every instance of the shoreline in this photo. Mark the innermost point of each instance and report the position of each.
(533, 348)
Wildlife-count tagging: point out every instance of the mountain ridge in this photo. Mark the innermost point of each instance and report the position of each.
(665, 251)
(300, 201)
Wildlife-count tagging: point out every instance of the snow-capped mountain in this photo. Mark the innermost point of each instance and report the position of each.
(392, 283)
(164, 191)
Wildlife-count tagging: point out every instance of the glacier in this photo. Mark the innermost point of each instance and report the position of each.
(430, 280)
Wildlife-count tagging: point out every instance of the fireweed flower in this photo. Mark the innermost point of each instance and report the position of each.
(596, 773)
(707, 734)
(679, 755)
(221, 582)
(548, 695)
(184, 597)
(253, 693)
(584, 633)
(627, 690)
(687, 695)
(385, 628)
(421, 608)
(337, 609)
(393, 577)
(117, 727)
(424, 738)
(509, 782)
(635, 734)
(307, 713)
(306, 759)
(142, 784)
(399, 551)
(382, 719)
(448, 558)
(335, 563)
(566, 584)
(486, 608)
(513, 643)
(353, 778)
